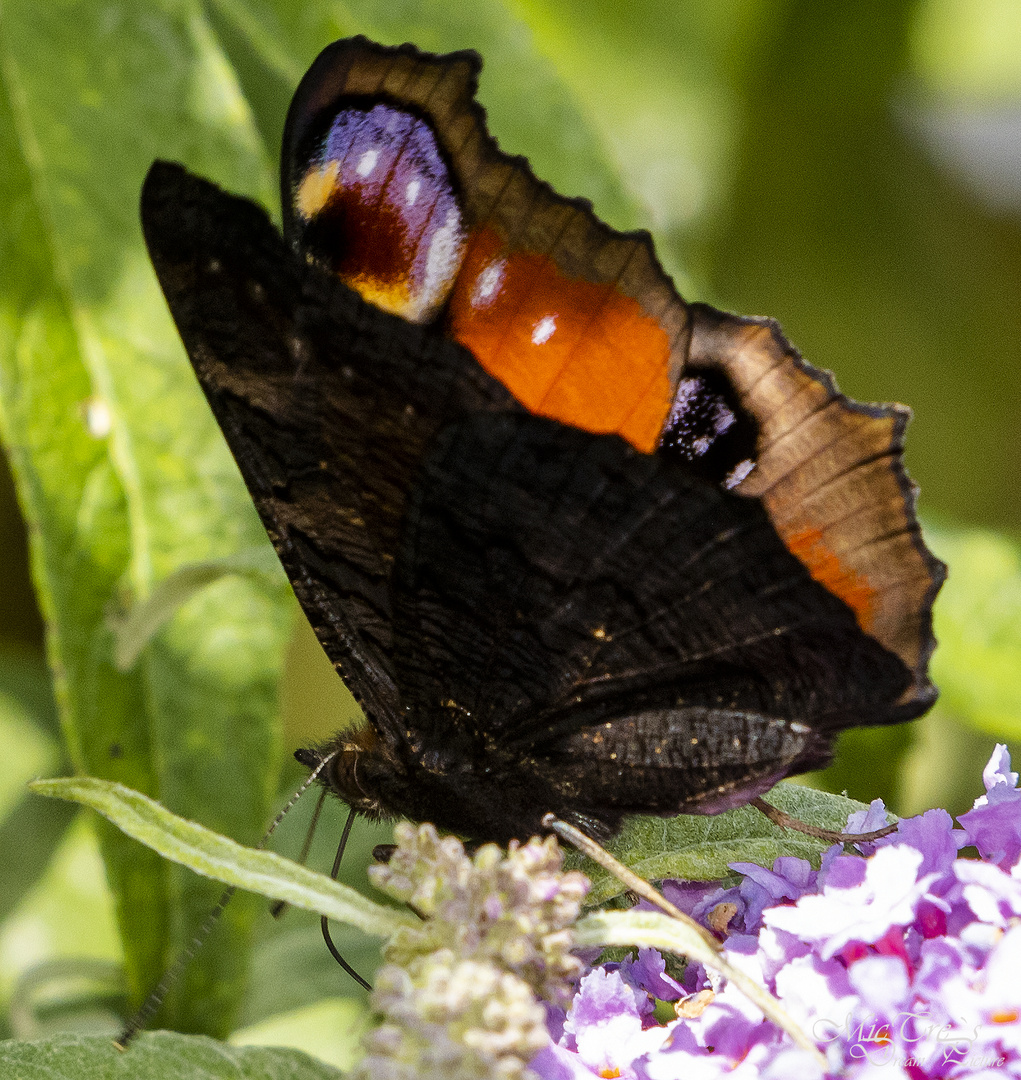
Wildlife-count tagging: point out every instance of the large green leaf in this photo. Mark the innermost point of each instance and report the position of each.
(700, 848)
(122, 474)
(158, 1056)
(30, 829)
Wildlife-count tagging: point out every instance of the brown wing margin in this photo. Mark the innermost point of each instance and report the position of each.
(496, 190)
(829, 471)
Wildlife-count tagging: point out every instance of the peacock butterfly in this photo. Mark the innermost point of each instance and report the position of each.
(575, 545)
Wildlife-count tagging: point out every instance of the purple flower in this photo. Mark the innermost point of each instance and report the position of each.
(604, 1026)
(903, 963)
(994, 825)
(869, 820)
(789, 879)
(934, 835)
(887, 897)
(647, 976)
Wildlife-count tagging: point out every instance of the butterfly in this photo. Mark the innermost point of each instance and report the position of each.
(576, 545)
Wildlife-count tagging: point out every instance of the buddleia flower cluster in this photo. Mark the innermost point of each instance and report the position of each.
(902, 962)
(460, 997)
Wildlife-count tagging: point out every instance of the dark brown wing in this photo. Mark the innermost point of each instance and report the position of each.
(551, 580)
(728, 395)
(326, 402)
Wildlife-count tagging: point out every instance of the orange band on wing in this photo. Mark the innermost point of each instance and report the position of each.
(576, 351)
(827, 569)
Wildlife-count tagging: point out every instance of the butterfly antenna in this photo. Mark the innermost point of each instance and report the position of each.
(280, 906)
(156, 996)
(324, 922)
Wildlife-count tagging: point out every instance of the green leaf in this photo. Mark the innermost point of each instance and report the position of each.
(699, 847)
(80, 994)
(222, 859)
(26, 694)
(292, 970)
(30, 829)
(138, 626)
(24, 863)
(65, 932)
(157, 1056)
(331, 1028)
(121, 472)
(978, 626)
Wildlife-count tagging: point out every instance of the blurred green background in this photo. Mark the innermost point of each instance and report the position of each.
(853, 170)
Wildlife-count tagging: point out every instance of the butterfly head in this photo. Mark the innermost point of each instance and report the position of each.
(346, 768)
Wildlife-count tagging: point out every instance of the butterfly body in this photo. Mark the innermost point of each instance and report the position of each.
(575, 545)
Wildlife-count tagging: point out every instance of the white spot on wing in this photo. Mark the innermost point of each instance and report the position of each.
(488, 283)
(441, 265)
(738, 473)
(701, 444)
(412, 190)
(367, 162)
(543, 329)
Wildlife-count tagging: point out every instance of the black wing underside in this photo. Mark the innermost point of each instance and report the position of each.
(509, 582)
(326, 402)
(587, 581)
